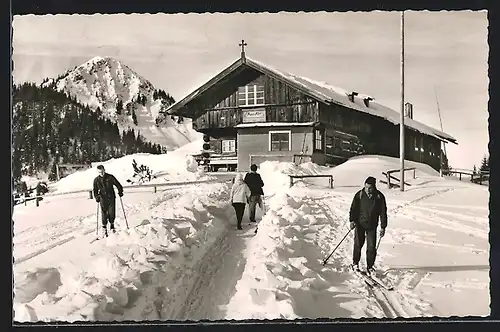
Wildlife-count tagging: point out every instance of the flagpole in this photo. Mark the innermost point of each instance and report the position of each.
(402, 115)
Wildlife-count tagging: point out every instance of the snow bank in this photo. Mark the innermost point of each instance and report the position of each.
(137, 274)
(284, 276)
(355, 170)
(351, 173)
(175, 166)
(276, 174)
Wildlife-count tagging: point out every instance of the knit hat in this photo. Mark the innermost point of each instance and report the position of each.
(371, 180)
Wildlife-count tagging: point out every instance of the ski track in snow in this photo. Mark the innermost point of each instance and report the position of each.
(219, 270)
(393, 303)
(55, 234)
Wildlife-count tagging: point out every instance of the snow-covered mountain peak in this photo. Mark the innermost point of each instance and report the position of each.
(125, 97)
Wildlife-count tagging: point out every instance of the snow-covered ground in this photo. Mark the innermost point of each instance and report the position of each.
(435, 251)
(182, 257)
(174, 166)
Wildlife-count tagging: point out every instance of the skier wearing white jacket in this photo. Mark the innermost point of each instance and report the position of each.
(240, 194)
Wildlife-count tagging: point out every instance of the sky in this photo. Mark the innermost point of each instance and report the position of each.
(446, 54)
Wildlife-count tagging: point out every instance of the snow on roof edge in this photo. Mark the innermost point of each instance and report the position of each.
(339, 96)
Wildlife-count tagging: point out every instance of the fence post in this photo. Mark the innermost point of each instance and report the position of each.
(37, 202)
(331, 182)
(414, 173)
(388, 180)
(90, 194)
(155, 189)
(291, 181)
(460, 176)
(481, 178)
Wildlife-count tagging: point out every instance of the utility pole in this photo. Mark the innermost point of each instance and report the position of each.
(402, 115)
(442, 144)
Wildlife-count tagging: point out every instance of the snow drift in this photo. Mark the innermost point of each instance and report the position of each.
(175, 166)
(136, 274)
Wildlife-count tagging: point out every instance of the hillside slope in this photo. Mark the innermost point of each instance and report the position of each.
(125, 97)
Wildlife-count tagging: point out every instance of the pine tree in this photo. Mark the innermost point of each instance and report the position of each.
(445, 166)
(484, 168)
(119, 107)
(51, 127)
(134, 117)
(53, 173)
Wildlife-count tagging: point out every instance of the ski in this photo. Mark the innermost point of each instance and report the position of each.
(372, 280)
(363, 276)
(95, 239)
(102, 237)
(381, 283)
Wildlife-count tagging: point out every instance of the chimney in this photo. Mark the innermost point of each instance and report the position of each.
(367, 101)
(409, 110)
(352, 95)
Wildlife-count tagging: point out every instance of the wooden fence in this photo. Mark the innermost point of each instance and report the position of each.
(476, 177)
(155, 187)
(330, 178)
(388, 175)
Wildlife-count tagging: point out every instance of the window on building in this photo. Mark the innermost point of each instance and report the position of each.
(280, 140)
(318, 139)
(251, 95)
(228, 146)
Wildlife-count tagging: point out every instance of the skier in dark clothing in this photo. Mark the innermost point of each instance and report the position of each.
(104, 194)
(368, 205)
(255, 183)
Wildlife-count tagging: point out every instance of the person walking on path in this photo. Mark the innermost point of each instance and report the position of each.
(240, 195)
(104, 194)
(255, 183)
(368, 205)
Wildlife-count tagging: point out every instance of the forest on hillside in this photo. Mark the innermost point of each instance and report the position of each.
(50, 127)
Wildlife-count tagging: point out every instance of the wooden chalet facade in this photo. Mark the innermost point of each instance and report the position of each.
(253, 113)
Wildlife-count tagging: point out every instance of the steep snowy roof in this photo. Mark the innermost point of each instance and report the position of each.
(323, 92)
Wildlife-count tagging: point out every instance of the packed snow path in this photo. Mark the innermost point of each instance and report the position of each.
(217, 274)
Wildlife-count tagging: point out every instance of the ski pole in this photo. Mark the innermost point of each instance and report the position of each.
(326, 259)
(97, 221)
(378, 244)
(124, 215)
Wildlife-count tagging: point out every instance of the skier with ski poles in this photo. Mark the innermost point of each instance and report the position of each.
(104, 194)
(368, 205)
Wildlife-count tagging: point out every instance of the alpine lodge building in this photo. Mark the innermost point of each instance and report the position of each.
(250, 113)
